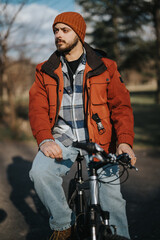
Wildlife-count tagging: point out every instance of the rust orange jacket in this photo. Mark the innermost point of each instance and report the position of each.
(104, 93)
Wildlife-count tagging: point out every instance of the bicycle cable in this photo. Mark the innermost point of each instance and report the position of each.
(121, 173)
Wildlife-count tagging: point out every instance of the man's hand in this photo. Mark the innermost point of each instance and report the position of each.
(52, 149)
(125, 148)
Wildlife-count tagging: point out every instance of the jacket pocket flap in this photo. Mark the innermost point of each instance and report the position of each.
(49, 81)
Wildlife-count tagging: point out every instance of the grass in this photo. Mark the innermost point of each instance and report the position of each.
(147, 119)
(21, 131)
(17, 134)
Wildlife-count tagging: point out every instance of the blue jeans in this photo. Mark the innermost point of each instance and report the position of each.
(46, 173)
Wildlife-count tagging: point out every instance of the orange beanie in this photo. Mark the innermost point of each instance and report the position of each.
(75, 21)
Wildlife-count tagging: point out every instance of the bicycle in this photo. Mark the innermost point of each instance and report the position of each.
(89, 213)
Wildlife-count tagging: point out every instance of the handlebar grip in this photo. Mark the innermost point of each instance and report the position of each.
(124, 157)
(89, 147)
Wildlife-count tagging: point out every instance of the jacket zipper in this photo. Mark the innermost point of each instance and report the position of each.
(86, 113)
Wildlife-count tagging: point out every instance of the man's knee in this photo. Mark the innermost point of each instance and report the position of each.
(39, 167)
(36, 173)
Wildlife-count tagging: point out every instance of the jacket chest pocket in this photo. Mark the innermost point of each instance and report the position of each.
(102, 126)
(52, 100)
(51, 88)
(98, 91)
(99, 107)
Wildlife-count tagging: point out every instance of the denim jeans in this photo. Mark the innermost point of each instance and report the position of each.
(46, 173)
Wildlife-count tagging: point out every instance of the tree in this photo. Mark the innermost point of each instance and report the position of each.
(113, 30)
(155, 12)
(149, 14)
(118, 29)
(6, 81)
(13, 76)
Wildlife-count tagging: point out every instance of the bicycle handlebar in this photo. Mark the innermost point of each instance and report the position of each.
(94, 148)
(91, 148)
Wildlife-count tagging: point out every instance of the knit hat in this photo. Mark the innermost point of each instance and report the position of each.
(73, 20)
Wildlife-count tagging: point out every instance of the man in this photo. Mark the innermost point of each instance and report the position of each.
(74, 88)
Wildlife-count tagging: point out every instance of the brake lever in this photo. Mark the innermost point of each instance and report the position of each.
(126, 160)
(132, 167)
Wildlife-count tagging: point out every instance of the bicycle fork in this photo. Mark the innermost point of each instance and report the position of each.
(80, 180)
(94, 198)
(95, 207)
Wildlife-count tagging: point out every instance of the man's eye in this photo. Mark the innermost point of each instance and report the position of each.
(55, 31)
(65, 30)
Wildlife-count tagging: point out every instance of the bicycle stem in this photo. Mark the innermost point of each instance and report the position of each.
(93, 181)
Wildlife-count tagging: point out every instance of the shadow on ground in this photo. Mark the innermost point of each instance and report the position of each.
(3, 215)
(142, 192)
(25, 199)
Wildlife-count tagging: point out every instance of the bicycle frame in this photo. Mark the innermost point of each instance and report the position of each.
(99, 219)
(94, 196)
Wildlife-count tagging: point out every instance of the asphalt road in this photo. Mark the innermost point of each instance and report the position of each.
(22, 216)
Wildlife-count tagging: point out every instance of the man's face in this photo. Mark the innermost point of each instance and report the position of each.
(65, 38)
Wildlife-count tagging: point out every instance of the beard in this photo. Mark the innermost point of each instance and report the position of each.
(68, 46)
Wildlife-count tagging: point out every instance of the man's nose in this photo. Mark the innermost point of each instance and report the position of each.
(58, 34)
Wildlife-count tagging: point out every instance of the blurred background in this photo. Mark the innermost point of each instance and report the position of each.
(128, 31)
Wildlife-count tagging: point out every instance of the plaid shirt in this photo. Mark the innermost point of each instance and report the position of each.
(71, 125)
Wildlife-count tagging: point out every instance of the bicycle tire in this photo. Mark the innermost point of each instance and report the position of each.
(113, 237)
(84, 235)
(80, 229)
(106, 235)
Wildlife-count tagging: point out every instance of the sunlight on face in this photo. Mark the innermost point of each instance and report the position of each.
(65, 38)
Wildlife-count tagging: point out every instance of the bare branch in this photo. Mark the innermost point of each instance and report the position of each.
(14, 18)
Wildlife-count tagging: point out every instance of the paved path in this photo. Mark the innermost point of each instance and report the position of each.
(22, 217)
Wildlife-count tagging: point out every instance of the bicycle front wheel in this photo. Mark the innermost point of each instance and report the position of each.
(104, 235)
(78, 203)
(113, 237)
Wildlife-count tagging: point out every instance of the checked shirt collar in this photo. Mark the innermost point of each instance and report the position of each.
(81, 67)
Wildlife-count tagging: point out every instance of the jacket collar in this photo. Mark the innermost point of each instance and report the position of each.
(51, 64)
(93, 60)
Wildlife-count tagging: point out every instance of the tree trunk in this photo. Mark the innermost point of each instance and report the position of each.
(1, 82)
(12, 109)
(1, 87)
(115, 26)
(157, 29)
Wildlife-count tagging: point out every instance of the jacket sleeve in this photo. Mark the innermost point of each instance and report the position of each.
(39, 109)
(120, 107)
